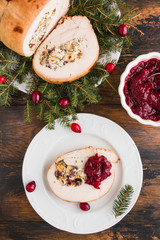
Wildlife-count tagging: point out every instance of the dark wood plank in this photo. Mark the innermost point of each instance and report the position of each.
(31, 230)
(16, 134)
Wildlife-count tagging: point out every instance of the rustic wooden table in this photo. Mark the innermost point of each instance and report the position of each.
(18, 221)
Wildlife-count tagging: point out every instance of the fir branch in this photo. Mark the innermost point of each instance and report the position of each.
(7, 96)
(123, 200)
(68, 91)
(89, 12)
(55, 107)
(40, 115)
(30, 87)
(121, 4)
(48, 104)
(92, 88)
(2, 56)
(9, 61)
(70, 111)
(50, 118)
(98, 29)
(3, 85)
(58, 92)
(138, 30)
(9, 85)
(85, 3)
(3, 67)
(97, 5)
(22, 67)
(110, 30)
(64, 120)
(96, 20)
(105, 21)
(105, 78)
(104, 14)
(75, 97)
(7, 74)
(51, 93)
(85, 80)
(79, 86)
(136, 16)
(128, 13)
(101, 69)
(44, 88)
(112, 45)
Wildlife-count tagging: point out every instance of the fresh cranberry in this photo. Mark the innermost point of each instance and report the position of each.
(110, 67)
(31, 186)
(36, 97)
(64, 102)
(2, 79)
(122, 30)
(75, 127)
(97, 169)
(84, 206)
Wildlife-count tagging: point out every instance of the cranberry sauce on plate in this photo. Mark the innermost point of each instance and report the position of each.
(142, 89)
(97, 169)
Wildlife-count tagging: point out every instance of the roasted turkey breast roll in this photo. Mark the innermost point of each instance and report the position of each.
(83, 175)
(69, 52)
(26, 23)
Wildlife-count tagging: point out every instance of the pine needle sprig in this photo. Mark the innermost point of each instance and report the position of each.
(123, 200)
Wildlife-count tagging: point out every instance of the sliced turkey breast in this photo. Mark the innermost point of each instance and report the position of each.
(69, 52)
(67, 179)
(26, 23)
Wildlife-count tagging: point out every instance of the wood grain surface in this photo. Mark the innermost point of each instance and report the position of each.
(18, 221)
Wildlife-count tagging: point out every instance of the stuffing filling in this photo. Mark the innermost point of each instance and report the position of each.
(62, 55)
(41, 30)
(69, 175)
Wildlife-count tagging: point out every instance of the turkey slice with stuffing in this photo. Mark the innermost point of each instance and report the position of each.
(69, 52)
(83, 175)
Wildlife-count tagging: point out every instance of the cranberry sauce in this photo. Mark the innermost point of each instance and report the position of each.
(142, 89)
(97, 169)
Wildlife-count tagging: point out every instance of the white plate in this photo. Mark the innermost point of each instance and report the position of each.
(47, 145)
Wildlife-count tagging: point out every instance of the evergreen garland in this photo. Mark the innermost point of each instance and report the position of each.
(123, 200)
(105, 20)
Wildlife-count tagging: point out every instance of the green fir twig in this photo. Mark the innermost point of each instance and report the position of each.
(123, 200)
